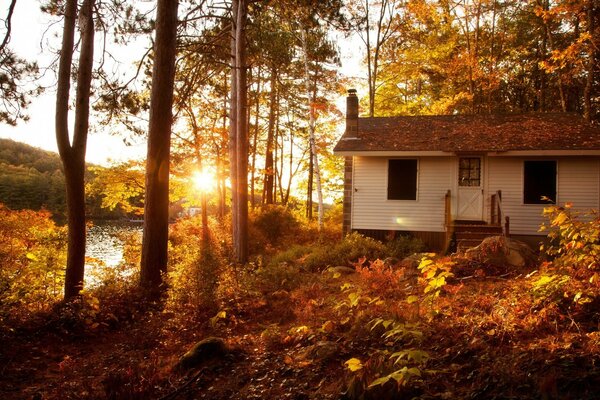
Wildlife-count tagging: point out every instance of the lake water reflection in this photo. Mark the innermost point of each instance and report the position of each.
(104, 242)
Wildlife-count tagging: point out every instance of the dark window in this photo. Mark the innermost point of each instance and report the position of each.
(539, 181)
(402, 180)
(469, 171)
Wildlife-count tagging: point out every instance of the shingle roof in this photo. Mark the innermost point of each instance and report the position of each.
(477, 133)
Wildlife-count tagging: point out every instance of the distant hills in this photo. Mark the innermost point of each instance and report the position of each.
(21, 154)
(31, 178)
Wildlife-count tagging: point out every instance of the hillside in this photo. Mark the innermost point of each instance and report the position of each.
(31, 178)
(21, 154)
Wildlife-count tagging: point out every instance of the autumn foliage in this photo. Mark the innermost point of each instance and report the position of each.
(32, 256)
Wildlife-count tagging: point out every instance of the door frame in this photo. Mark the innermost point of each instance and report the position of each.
(480, 189)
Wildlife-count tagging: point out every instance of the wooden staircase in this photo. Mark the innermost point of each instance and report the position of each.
(469, 234)
(461, 235)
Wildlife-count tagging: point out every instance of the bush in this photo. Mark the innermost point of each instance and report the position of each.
(349, 250)
(32, 260)
(195, 267)
(571, 280)
(275, 223)
(273, 277)
(292, 255)
(404, 246)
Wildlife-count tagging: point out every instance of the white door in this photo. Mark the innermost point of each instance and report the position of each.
(470, 189)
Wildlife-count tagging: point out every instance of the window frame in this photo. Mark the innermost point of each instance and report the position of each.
(480, 170)
(539, 202)
(387, 186)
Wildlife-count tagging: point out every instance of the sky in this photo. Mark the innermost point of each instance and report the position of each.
(29, 40)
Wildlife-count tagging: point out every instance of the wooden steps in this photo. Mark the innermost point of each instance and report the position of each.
(470, 234)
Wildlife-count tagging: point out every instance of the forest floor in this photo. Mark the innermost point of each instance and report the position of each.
(489, 338)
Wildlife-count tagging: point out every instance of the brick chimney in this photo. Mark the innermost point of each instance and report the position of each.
(351, 114)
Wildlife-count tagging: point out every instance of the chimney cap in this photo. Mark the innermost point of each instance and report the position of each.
(351, 92)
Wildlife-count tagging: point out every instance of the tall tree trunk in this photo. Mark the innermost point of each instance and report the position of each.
(220, 172)
(309, 186)
(156, 209)
(310, 97)
(369, 68)
(238, 136)
(548, 30)
(233, 163)
(73, 156)
(587, 92)
(269, 167)
(255, 140)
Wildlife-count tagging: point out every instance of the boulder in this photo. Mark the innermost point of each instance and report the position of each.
(323, 351)
(499, 251)
(412, 262)
(341, 270)
(209, 349)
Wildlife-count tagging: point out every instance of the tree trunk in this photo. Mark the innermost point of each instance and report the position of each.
(73, 156)
(255, 140)
(587, 92)
(310, 97)
(309, 186)
(238, 135)
(269, 167)
(233, 164)
(156, 209)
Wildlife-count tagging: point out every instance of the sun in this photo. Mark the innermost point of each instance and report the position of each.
(203, 180)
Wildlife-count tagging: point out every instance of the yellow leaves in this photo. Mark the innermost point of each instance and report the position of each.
(214, 321)
(328, 326)
(581, 298)
(354, 364)
(559, 219)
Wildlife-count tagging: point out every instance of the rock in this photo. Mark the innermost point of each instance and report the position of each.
(323, 351)
(412, 262)
(499, 251)
(207, 349)
(341, 270)
(411, 266)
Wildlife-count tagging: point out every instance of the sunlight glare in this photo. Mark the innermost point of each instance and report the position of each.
(203, 180)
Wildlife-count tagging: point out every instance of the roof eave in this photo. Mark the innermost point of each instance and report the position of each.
(437, 153)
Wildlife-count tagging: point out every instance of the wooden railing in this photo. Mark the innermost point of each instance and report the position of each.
(497, 212)
(448, 217)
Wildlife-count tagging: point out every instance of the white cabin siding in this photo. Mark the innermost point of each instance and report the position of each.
(372, 210)
(577, 182)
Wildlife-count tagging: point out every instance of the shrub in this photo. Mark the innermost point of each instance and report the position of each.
(349, 250)
(275, 223)
(571, 280)
(575, 240)
(404, 246)
(195, 267)
(273, 277)
(32, 260)
(292, 255)
(381, 278)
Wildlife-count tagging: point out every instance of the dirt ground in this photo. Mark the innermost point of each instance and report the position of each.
(488, 341)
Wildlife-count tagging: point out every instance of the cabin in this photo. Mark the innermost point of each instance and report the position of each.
(458, 178)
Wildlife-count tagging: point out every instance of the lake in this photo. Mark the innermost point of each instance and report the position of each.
(103, 241)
